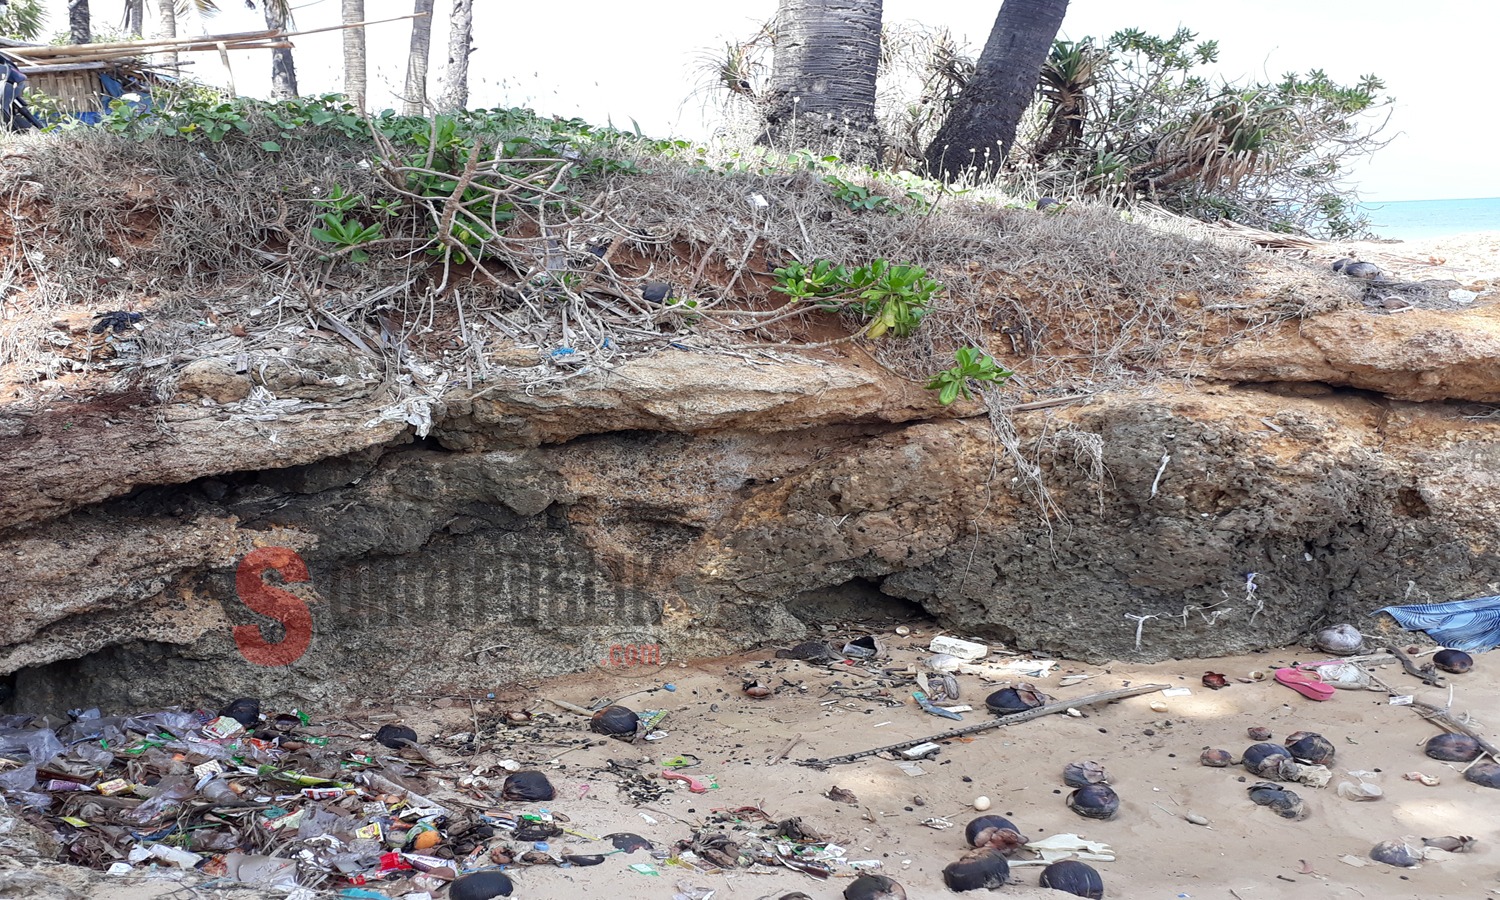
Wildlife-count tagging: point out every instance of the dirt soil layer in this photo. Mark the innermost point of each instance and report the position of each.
(912, 824)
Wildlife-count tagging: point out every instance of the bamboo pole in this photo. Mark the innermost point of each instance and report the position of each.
(1011, 719)
(354, 25)
(211, 40)
(106, 57)
(228, 69)
(65, 49)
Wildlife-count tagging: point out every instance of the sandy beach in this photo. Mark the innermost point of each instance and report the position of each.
(909, 824)
(1466, 258)
(1245, 852)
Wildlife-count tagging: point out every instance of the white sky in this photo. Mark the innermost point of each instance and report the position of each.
(600, 59)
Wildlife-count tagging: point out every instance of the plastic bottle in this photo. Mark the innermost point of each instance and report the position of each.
(218, 791)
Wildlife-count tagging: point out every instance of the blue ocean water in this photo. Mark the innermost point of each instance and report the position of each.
(1410, 220)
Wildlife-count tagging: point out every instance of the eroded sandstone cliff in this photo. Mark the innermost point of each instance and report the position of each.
(534, 533)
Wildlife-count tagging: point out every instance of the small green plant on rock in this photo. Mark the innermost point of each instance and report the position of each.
(858, 197)
(896, 297)
(893, 297)
(821, 280)
(972, 363)
(337, 226)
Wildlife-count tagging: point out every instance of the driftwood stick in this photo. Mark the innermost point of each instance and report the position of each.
(571, 707)
(1444, 718)
(1427, 676)
(787, 749)
(1002, 721)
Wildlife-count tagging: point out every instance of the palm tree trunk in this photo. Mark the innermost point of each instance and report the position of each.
(1064, 131)
(982, 126)
(354, 53)
(414, 103)
(79, 28)
(283, 67)
(460, 45)
(822, 91)
(167, 27)
(135, 18)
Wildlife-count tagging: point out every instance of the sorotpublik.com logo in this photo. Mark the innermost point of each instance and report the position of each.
(576, 622)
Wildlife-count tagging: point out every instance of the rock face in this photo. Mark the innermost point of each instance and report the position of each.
(694, 508)
(1420, 354)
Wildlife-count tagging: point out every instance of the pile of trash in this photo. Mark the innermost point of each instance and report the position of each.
(278, 801)
(268, 801)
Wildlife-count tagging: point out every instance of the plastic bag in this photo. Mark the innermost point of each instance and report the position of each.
(176, 722)
(167, 799)
(17, 780)
(40, 745)
(94, 755)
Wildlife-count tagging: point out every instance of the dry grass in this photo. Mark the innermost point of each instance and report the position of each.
(212, 241)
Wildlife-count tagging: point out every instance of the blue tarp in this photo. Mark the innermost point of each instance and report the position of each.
(1469, 625)
(112, 88)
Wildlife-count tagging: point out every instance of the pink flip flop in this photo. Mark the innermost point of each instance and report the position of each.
(1304, 684)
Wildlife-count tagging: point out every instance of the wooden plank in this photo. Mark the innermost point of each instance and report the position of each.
(62, 67)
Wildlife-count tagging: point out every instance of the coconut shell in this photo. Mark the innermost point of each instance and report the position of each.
(591, 859)
(1485, 774)
(245, 710)
(1453, 748)
(1083, 774)
(979, 870)
(1097, 801)
(527, 786)
(1311, 748)
(874, 887)
(1216, 758)
(629, 841)
(1396, 853)
(614, 720)
(395, 736)
(1014, 699)
(1279, 800)
(1073, 877)
(1455, 661)
(984, 823)
(1265, 759)
(480, 886)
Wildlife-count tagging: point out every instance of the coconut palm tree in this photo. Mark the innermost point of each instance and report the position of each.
(460, 45)
(414, 103)
(135, 18)
(822, 91)
(167, 12)
(354, 52)
(283, 66)
(1071, 69)
(167, 27)
(278, 17)
(80, 29)
(23, 20)
(980, 130)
